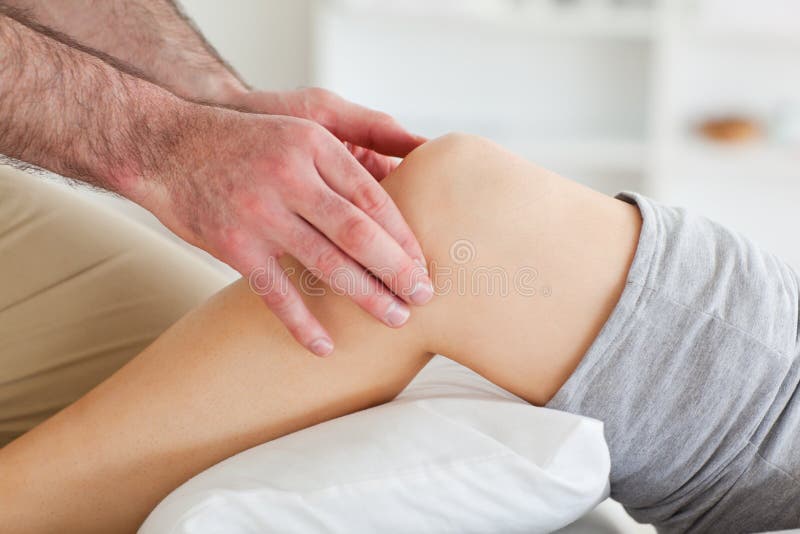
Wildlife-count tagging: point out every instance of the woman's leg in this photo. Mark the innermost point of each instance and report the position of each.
(227, 377)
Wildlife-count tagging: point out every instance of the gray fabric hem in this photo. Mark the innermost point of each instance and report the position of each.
(623, 312)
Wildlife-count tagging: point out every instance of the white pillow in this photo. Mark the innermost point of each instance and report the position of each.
(453, 453)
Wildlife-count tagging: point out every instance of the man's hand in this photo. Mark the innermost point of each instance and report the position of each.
(371, 136)
(249, 188)
(245, 187)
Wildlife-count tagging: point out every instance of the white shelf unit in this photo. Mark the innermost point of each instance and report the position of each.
(605, 94)
(516, 73)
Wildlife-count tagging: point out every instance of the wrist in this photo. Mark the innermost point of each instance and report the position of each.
(161, 124)
(190, 149)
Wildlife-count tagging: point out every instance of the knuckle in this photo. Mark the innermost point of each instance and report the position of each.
(319, 95)
(371, 198)
(309, 134)
(357, 232)
(305, 132)
(299, 242)
(328, 261)
(322, 105)
(231, 240)
(327, 202)
(279, 172)
(278, 300)
(407, 241)
(273, 219)
(374, 303)
(384, 119)
(257, 210)
(409, 270)
(282, 129)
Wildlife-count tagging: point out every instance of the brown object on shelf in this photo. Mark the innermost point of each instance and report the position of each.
(730, 129)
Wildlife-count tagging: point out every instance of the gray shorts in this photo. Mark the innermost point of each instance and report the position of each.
(695, 375)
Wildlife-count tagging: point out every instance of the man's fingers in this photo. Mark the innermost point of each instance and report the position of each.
(272, 284)
(367, 243)
(343, 175)
(344, 276)
(368, 128)
(378, 165)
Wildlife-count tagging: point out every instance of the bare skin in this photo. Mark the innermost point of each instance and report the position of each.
(227, 377)
(302, 184)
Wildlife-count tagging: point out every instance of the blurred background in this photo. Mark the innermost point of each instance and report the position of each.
(695, 102)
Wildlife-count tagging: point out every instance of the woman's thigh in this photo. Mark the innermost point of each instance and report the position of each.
(82, 291)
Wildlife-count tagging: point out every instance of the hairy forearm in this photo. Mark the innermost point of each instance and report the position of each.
(67, 111)
(152, 36)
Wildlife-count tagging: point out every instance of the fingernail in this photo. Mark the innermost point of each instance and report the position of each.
(397, 314)
(321, 346)
(421, 263)
(422, 293)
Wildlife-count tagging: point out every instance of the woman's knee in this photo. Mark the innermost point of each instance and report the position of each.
(463, 187)
(525, 263)
(457, 171)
